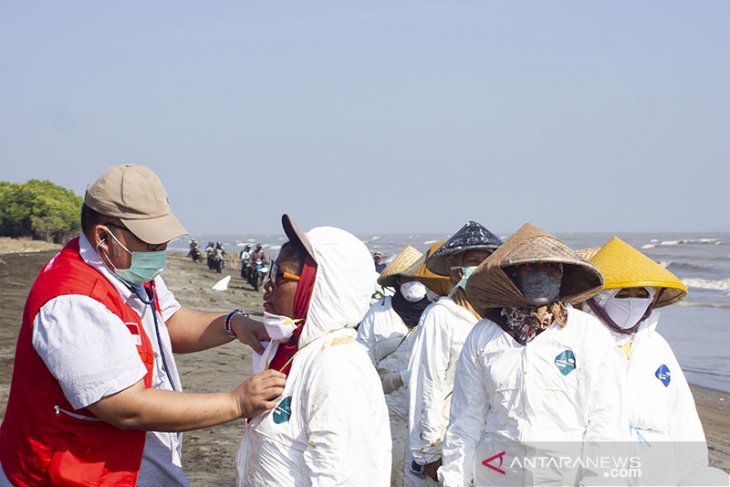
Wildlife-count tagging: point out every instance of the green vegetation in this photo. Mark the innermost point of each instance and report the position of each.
(40, 210)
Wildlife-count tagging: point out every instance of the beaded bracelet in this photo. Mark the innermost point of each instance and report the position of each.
(229, 319)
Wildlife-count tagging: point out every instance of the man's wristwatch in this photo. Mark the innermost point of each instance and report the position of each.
(229, 319)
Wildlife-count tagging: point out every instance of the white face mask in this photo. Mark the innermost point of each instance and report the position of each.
(626, 312)
(413, 291)
(280, 329)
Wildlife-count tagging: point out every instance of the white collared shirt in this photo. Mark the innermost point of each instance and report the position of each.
(92, 354)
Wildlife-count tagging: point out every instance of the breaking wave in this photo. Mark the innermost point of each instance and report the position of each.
(687, 241)
(711, 284)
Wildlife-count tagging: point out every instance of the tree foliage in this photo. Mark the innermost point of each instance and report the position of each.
(40, 210)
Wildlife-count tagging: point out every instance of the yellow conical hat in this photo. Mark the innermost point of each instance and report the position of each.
(624, 266)
(437, 283)
(400, 263)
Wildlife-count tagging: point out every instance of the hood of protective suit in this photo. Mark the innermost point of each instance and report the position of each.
(400, 263)
(343, 284)
(490, 287)
(624, 266)
(439, 284)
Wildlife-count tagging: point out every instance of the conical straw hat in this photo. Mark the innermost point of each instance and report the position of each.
(401, 262)
(587, 253)
(624, 266)
(490, 287)
(471, 236)
(441, 285)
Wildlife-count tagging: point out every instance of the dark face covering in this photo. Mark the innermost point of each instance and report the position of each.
(409, 312)
(539, 288)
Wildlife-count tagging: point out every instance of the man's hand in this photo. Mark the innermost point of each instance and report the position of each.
(258, 393)
(250, 332)
(432, 469)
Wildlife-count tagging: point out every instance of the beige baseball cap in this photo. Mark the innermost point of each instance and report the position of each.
(135, 195)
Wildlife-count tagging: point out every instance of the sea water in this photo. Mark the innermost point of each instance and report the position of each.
(698, 328)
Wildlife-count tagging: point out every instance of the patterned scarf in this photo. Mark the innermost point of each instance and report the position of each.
(524, 324)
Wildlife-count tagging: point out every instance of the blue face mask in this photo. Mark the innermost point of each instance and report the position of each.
(145, 266)
(466, 272)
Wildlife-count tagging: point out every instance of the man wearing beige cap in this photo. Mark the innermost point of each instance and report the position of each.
(95, 396)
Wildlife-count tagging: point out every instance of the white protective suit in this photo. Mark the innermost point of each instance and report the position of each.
(442, 330)
(658, 407)
(389, 343)
(560, 387)
(331, 424)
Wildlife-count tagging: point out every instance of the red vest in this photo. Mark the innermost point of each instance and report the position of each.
(40, 443)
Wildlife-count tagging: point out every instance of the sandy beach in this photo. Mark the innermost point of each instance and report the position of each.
(208, 455)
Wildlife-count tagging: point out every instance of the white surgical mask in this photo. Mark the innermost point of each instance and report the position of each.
(626, 312)
(280, 329)
(413, 291)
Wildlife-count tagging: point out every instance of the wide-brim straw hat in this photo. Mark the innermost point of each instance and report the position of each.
(471, 236)
(441, 285)
(624, 266)
(587, 253)
(490, 287)
(400, 263)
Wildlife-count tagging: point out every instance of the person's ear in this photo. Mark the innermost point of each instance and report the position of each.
(101, 237)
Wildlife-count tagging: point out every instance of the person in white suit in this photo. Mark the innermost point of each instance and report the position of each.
(388, 331)
(441, 333)
(659, 412)
(536, 378)
(330, 426)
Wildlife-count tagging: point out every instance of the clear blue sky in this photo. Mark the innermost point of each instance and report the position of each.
(381, 116)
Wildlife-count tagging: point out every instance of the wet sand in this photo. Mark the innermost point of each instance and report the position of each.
(208, 455)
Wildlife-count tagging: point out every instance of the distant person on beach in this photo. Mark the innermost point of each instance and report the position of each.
(440, 336)
(243, 259)
(660, 415)
(95, 397)
(331, 425)
(378, 261)
(259, 254)
(536, 378)
(388, 332)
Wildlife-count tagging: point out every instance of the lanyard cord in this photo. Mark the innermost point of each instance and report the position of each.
(151, 303)
(291, 359)
(408, 333)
